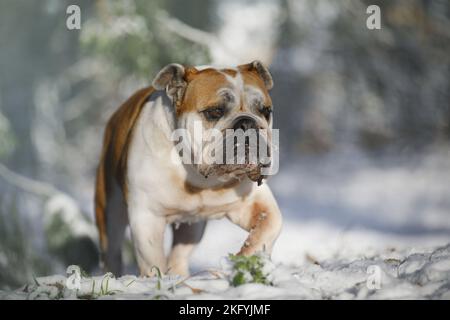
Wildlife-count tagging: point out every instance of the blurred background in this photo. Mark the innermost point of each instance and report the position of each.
(363, 116)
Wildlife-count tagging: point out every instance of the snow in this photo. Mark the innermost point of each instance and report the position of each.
(355, 227)
(402, 276)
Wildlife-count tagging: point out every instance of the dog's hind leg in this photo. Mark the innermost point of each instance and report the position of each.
(116, 223)
(185, 238)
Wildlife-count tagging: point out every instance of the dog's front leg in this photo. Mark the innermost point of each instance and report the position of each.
(147, 230)
(262, 219)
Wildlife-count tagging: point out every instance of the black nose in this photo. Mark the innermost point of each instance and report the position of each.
(244, 124)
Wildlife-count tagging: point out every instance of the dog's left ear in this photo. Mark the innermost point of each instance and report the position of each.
(172, 79)
(258, 67)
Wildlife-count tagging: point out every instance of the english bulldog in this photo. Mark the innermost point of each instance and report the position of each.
(139, 184)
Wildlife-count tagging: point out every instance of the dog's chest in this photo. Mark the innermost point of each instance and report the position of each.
(178, 202)
(165, 193)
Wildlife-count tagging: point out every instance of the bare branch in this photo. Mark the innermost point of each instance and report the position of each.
(185, 31)
(27, 184)
(57, 202)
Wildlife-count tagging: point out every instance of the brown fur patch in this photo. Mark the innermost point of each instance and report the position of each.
(191, 189)
(257, 225)
(257, 210)
(201, 89)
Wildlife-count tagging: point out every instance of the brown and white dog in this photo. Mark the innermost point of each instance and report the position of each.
(138, 184)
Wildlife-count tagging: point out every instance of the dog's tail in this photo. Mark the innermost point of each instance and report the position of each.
(100, 196)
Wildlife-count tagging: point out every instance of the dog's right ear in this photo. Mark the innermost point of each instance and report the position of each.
(172, 79)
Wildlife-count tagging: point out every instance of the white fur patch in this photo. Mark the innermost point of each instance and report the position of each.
(237, 82)
(215, 67)
(253, 94)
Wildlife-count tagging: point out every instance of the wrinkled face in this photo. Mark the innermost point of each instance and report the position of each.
(234, 111)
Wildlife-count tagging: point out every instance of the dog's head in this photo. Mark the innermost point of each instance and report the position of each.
(228, 104)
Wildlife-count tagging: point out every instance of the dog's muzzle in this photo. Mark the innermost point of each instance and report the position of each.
(254, 151)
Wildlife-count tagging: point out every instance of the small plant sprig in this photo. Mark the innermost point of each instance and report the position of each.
(104, 289)
(248, 269)
(158, 277)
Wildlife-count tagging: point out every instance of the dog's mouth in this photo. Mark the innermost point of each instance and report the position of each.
(244, 154)
(239, 171)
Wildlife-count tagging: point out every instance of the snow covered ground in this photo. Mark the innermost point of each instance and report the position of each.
(355, 227)
(387, 275)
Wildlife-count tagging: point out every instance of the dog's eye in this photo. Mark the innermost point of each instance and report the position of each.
(214, 113)
(266, 111)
